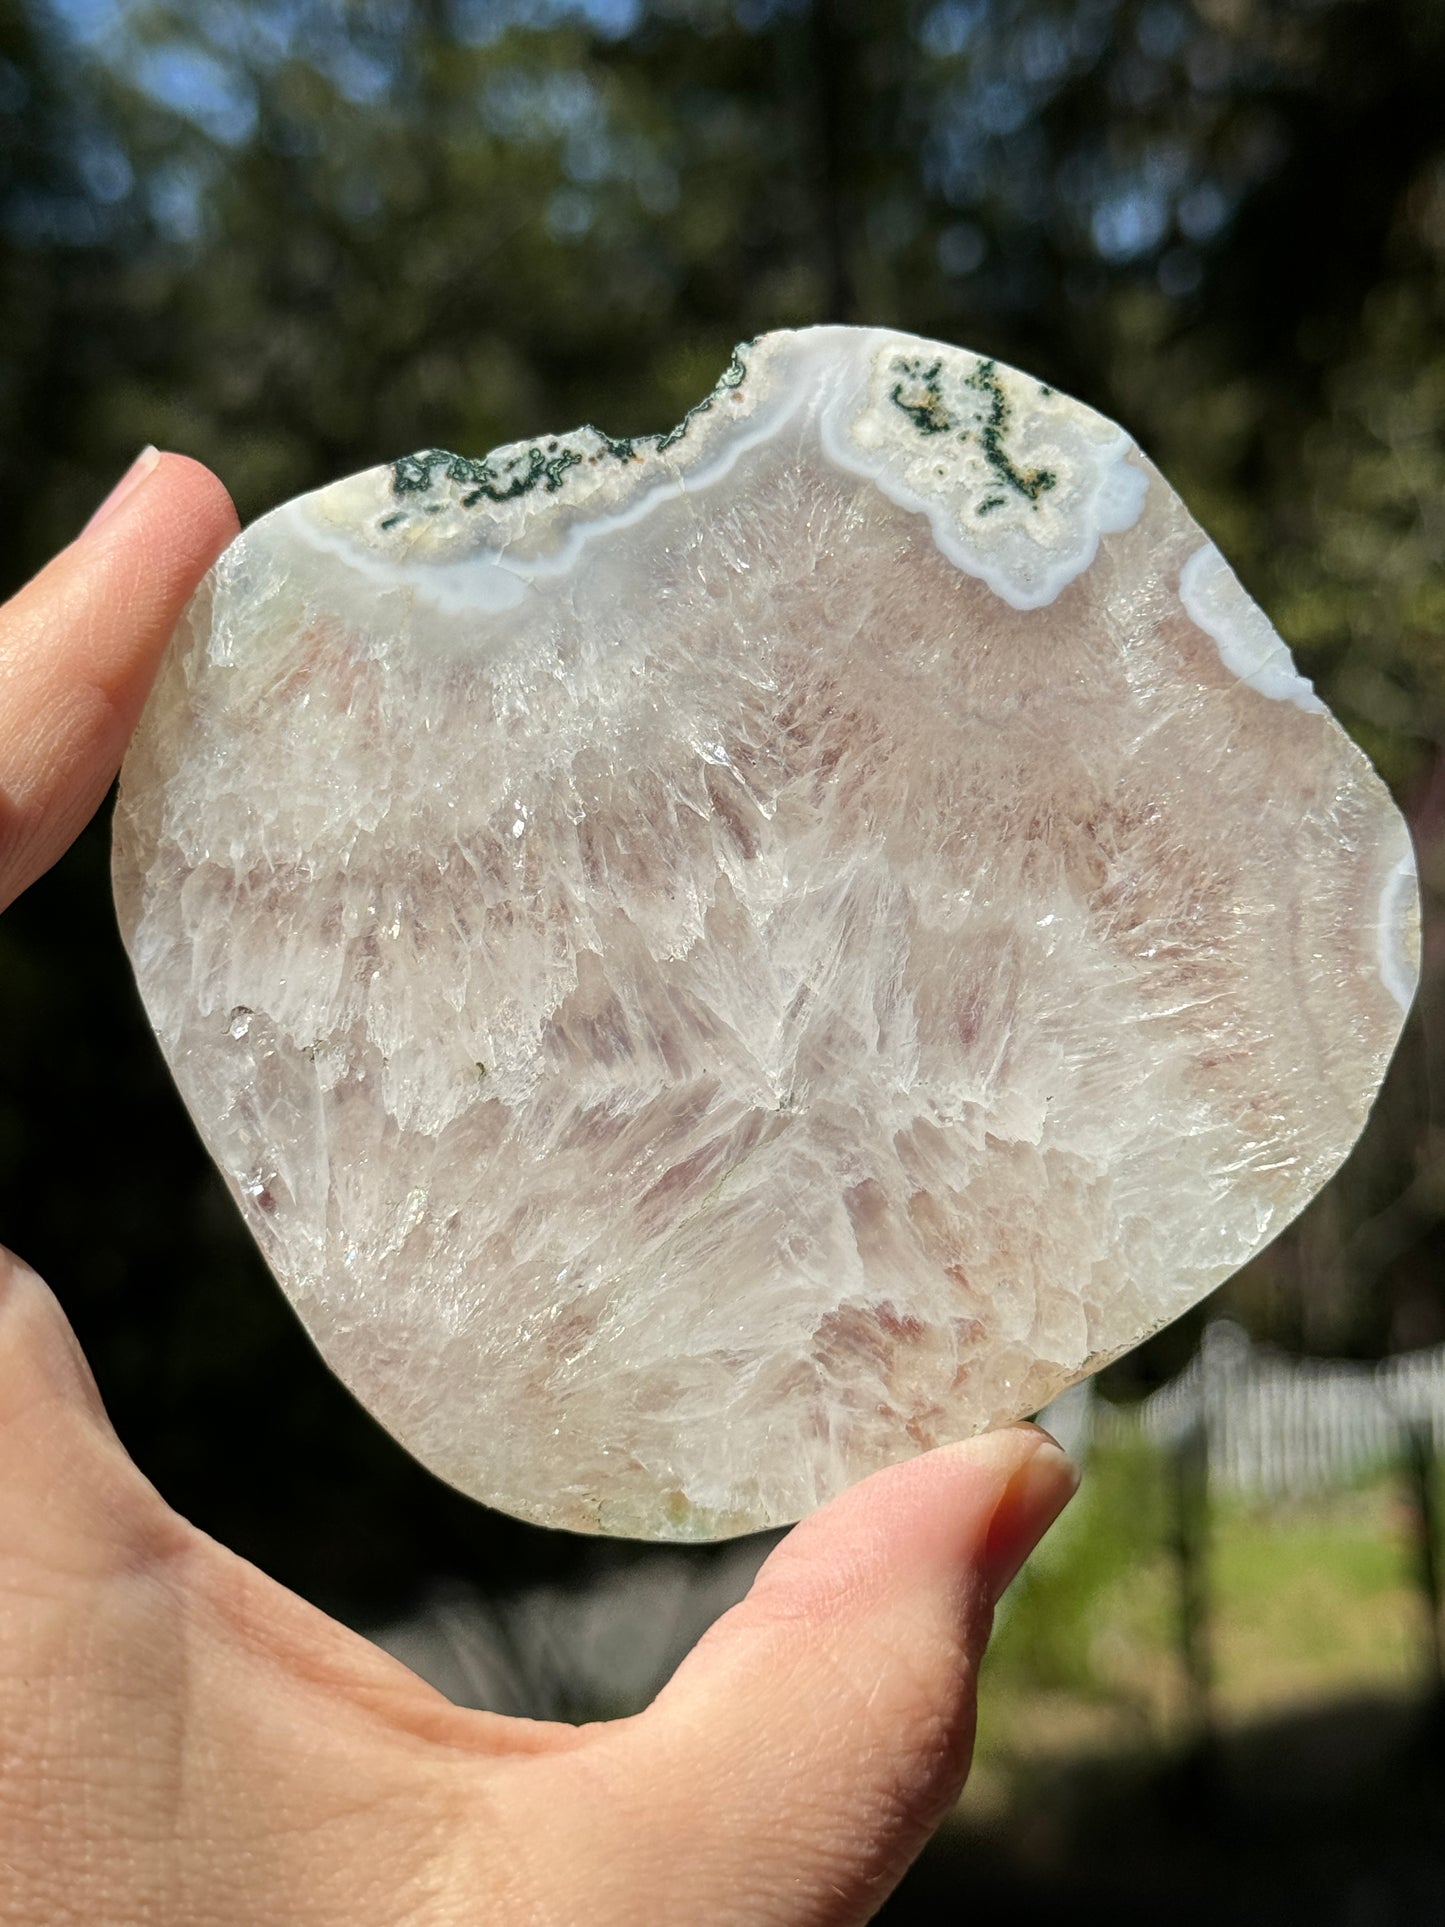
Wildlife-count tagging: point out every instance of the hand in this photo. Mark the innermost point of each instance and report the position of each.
(185, 1744)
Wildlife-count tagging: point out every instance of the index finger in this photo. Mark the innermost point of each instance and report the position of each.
(79, 647)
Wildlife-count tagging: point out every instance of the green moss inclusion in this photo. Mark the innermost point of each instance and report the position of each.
(543, 465)
(1036, 482)
(918, 392)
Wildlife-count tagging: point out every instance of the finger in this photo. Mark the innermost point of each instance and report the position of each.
(822, 1729)
(71, 1501)
(79, 646)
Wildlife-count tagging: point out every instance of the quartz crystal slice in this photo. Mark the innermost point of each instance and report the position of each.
(713, 962)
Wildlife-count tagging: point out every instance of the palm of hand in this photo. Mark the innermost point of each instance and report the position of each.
(186, 1744)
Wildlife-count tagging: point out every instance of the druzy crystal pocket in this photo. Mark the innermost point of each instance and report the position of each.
(713, 962)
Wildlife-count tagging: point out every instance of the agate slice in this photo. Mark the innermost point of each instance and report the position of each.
(714, 962)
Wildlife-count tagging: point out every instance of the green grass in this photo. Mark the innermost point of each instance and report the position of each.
(1308, 1601)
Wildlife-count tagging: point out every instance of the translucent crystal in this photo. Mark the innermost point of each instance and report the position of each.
(711, 963)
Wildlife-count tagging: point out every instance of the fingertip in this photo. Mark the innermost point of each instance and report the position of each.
(80, 644)
(115, 596)
(207, 500)
(165, 500)
(959, 1514)
(1035, 1492)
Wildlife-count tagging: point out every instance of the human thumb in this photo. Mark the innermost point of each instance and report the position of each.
(814, 1739)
